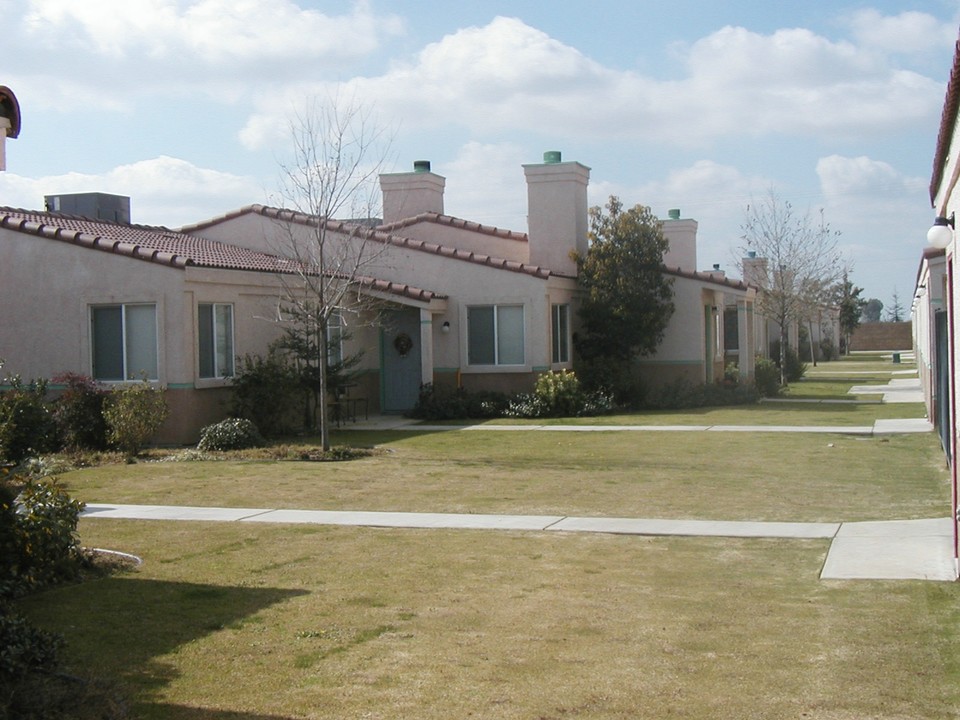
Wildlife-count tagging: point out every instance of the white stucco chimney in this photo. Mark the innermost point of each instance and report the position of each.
(755, 270)
(9, 121)
(412, 193)
(556, 212)
(5, 126)
(681, 234)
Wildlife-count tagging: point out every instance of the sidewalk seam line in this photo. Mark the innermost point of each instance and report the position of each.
(253, 515)
(555, 522)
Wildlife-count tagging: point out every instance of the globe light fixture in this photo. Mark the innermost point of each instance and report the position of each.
(941, 233)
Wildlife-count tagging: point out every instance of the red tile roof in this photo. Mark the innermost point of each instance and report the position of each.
(169, 247)
(382, 235)
(708, 278)
(455, 222)
(948, 121)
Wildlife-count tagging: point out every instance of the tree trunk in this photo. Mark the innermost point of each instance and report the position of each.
(323, 412)
(813, 350)
(783, 353)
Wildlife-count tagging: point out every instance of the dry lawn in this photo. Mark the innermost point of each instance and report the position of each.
(233, 622)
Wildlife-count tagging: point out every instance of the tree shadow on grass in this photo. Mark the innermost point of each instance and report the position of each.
(182, 712)
(119, 628)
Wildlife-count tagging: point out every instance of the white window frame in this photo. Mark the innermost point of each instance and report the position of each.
(560, 333)
(335, 331)
(216, 327)
(497, 360)
(128, 373)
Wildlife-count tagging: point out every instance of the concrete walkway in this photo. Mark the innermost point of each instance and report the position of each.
(894, 550)
(897, 550)
(879, 427)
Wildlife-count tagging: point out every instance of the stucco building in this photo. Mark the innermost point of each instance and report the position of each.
(459, 303)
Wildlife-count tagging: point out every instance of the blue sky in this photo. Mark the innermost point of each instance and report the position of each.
(702, 106)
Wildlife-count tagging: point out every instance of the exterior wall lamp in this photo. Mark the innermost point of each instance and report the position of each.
(941, 233)
(445, 328)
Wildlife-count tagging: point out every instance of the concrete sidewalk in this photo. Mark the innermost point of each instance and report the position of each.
(897, 550)
(901, 550)
(879, 427)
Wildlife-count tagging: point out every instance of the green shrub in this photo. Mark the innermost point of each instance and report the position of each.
(24, 648)
(26, 424)
(230, 434)
(42, 547)
(38, 547)
(828, 351)
(439, 402)
(795, 368)
(78, 413)
(766, 377)
(612, 378)
(267, 391)
(486, 404)
(676, 395)
(683, 394)
(133, 414)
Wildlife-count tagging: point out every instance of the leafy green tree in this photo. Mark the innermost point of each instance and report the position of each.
(627, 299)
(871, 310)
(851, 307)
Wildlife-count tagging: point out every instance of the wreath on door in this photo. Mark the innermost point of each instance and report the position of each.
(403, 344)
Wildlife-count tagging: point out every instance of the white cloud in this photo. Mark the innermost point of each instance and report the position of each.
(908, 32)
(714, 195)
(881, 213)
(796, 82)
(507, 76)
(215, 32)
(163, 191)
(485, 184)
(841, 177)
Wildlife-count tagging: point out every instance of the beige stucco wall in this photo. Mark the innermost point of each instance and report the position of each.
(464, 283)
(45, 328)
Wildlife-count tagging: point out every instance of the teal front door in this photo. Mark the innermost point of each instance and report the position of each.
(400, 360)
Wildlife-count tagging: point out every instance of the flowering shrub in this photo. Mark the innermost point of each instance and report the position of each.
(559, 394)
(230, 434)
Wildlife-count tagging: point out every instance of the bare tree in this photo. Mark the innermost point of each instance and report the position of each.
(895, 312)
(800, 263)
(337, 155)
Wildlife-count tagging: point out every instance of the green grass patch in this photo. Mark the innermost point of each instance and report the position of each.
(499, 624)
(247, 621)
(708, 475)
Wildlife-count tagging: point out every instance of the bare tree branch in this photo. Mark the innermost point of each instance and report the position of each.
(799, 262)
(329, 186)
